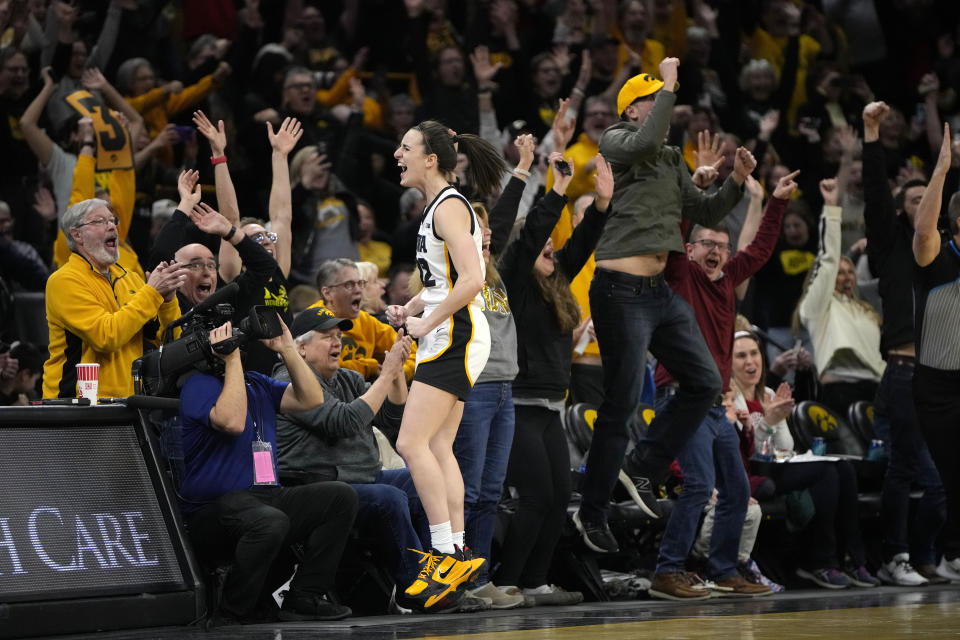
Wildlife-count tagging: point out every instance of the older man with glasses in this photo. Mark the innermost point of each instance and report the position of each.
(367, 342)
(97, 311)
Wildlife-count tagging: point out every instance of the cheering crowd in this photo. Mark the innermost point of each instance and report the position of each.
(469, 217)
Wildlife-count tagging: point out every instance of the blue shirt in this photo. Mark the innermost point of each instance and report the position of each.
(215, 462)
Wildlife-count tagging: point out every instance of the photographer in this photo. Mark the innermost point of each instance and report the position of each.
(230, 496)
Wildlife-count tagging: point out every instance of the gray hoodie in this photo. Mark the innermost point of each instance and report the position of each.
(335, 441)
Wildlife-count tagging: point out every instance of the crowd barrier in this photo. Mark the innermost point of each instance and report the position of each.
(90, 537)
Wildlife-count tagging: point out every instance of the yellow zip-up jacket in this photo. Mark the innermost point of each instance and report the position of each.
(366, 344)
(93, 319)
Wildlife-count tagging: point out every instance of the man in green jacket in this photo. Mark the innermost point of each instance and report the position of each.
(633, 308)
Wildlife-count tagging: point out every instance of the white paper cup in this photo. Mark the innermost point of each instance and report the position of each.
(88, 380)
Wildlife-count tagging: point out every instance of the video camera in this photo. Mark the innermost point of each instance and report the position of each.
(162, 372)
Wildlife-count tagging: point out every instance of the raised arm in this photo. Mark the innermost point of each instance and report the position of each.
(103, 49)
(710, 209)
(94, 80)
(504, 214)
(627, 147)
(880, 210)
(754, 213)
(230, 263)
(816, 302)
(579, 247)
(926, 238)
(281, 209)
(753, 254)
(519, 257)
(37, 139)
(483, 72)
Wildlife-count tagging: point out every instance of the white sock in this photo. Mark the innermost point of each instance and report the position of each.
(458, 537)
(441, 537)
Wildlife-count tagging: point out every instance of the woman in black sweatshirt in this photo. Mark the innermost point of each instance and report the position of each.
(546, 313)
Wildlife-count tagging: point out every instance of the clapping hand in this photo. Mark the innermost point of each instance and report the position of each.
(777, 408)
(166, 278)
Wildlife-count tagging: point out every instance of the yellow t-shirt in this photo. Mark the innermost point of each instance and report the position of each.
(379, 253)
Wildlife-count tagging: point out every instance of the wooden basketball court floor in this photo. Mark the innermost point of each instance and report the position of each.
(874, 614)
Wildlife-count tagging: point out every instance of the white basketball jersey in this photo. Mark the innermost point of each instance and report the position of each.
(433, 258)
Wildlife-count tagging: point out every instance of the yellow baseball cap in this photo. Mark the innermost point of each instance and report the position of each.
(638, 86)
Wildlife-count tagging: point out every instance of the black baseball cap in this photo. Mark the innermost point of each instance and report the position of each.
(318, 319)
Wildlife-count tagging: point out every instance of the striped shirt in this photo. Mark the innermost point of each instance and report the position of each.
(936, 292)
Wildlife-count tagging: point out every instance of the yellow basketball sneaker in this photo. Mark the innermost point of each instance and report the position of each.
(435, 589)
(465, 555)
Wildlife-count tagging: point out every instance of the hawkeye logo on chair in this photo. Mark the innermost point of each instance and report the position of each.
(590, 416)
(648, 415)
(822, 418)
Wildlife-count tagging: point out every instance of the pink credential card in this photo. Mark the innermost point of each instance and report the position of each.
(263, 468)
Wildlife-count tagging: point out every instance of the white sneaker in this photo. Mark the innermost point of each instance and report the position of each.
(949, 569)
(900, 572)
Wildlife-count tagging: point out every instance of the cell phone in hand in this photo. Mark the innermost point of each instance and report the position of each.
(184, 132)
(797, 346)
(563, 167)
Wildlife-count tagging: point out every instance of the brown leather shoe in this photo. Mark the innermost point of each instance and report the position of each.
(678, 586)
(737, 587)
(929, 571)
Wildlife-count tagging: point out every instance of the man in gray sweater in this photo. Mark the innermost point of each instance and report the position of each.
(335, 441)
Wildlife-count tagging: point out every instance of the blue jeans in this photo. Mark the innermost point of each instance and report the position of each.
(909, 463)
(711, 458)
(388, 507)
(482, 448)
(632, 314)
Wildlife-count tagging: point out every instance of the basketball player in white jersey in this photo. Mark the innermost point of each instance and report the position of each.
(454, 342)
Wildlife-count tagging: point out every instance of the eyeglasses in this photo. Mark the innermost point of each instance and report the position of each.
(300, 86)
(199, 266)
(114, 220)
(350, 284)
(259, 237)
(710, 245)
